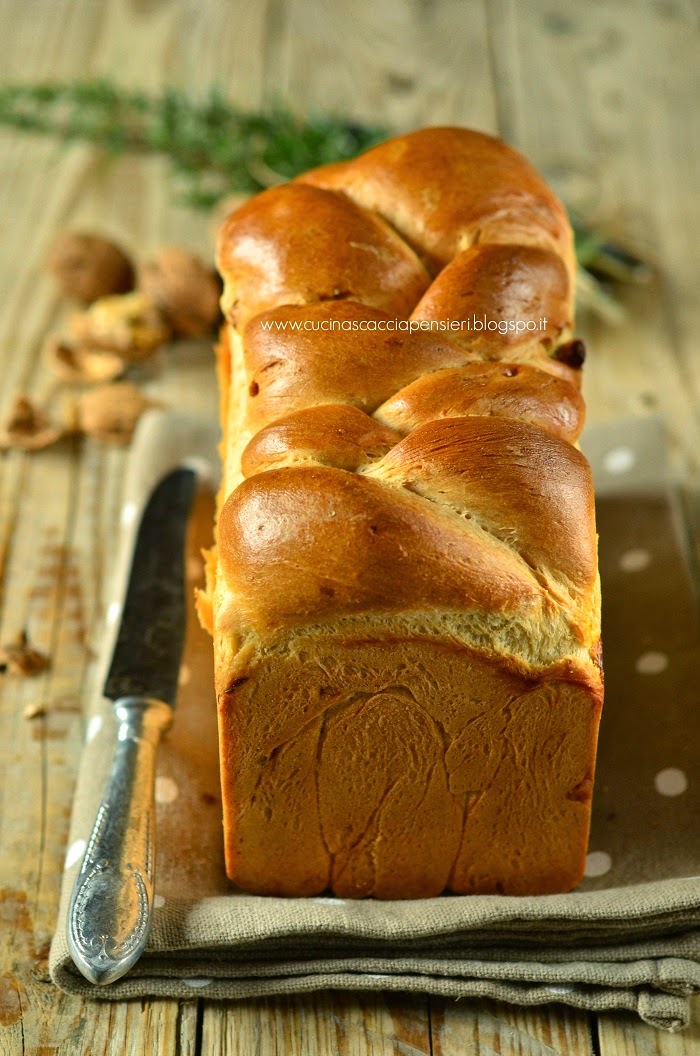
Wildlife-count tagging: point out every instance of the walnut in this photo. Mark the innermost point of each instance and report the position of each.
(110, 412)
(20, 658)
(88, 267)
(129, 325)
(76, 364)
(27, 427)
(184, 289)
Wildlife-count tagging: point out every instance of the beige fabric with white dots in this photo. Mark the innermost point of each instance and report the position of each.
(629, 938)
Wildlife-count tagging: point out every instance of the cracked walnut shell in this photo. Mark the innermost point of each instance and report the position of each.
(27, 427)
(129, 325)
(75, 364)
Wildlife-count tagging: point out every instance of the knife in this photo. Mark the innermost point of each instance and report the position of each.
(109, 916)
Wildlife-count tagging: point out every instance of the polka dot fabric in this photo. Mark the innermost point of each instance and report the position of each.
(646, 803)
(628, 938)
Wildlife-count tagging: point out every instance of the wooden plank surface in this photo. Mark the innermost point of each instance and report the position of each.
(603, 98)
(494, 1028)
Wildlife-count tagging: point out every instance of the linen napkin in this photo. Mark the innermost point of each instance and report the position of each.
(628, 938)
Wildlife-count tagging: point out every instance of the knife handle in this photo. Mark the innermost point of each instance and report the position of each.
(109, 916)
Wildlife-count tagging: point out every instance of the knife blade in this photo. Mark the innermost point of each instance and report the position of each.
(147, 653)
(110, 909)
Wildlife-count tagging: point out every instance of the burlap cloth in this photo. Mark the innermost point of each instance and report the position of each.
(628, 938)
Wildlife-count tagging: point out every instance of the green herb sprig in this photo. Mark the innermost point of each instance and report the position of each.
(215, 148)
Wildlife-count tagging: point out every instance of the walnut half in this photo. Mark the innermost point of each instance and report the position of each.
(83, 366)
(184, 290)
(129, 325)
(87, 266)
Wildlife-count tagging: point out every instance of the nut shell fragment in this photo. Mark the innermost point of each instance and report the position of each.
(20, 658)
(34, 711)
(27, 427)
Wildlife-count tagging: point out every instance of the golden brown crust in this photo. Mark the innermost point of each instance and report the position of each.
(432, 523)
(445, 189)
(303, 544)
(477, 466)
(332, 434)
(508, 390)
(295, 244)
(498, 286)
(404, 593)
(293, 368)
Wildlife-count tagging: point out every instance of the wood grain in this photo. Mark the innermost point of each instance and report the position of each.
(625, 1035)
(489, 1028)
(342, 1024)
(58, 512)
(603, 99)
(611, 127)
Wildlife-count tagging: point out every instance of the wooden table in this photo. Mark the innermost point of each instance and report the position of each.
(604, 100)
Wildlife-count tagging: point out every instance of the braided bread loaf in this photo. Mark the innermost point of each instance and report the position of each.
(404, 594)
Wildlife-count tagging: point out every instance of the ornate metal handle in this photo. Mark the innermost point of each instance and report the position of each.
(110, 910)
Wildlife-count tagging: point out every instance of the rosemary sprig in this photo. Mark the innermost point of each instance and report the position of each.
(214, 148)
